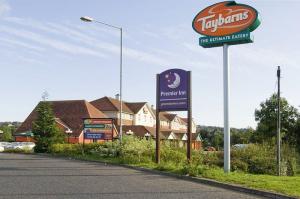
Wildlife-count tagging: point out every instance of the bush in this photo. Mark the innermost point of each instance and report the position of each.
(261, 159)
(106, 149)
(213, 158)
(193, 169)
(18, 150)
(256, 159)
(172, 154)
(135, 150)
(67, 149)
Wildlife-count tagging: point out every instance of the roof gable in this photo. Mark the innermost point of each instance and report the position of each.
(135, 106)
(110, 104)
(104, 104)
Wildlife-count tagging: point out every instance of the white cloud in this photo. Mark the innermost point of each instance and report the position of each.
(80, 36)
(14, 42)
(53, 43)
(30, 60)
(4, 7)
(95, 45)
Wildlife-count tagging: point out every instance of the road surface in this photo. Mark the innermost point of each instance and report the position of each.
(33, 176)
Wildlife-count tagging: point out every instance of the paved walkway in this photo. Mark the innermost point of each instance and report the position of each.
(33, 176)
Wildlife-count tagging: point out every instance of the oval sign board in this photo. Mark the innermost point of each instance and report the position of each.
(226, 18)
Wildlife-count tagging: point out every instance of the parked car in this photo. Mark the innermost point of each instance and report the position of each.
(17, 145)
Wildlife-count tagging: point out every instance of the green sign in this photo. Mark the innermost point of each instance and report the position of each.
(237, 38)
(98, 126)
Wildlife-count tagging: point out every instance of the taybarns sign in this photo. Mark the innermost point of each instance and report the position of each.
(98, 128)
(226, 22)
(173, 90)
(223, 24)
(237, 38)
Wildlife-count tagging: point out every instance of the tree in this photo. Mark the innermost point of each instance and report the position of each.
(218, 140)
(44, 128)
(266, 116)
(7, 133)
(294, 136)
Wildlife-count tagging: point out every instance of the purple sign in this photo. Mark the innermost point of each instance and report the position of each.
(96, 136)
(173, 90)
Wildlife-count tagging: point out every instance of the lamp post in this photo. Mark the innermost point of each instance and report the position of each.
(89, 19)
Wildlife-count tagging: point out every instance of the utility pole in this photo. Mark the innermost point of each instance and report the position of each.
(278, 122)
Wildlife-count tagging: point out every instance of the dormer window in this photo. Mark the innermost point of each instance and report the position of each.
(145, 110)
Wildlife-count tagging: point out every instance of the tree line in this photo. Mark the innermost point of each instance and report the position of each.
(265, 132)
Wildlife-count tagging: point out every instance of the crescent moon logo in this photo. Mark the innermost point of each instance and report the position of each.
(176, 81)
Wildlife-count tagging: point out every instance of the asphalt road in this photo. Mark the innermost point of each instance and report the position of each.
(33, 176)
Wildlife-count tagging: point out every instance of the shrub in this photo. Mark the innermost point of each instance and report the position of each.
(261, 159)
(239, 165)
(135, 150)
(172, 154)
(106, 149)
(193, 169)
(213, 158)
(18, 150)
(256, 159)
(67, 149)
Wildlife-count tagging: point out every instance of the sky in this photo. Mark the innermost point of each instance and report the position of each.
(45, 47)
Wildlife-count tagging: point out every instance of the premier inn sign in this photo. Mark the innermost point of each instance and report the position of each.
(226, 22)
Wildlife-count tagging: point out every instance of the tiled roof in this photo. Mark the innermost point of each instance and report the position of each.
(139, 130)
(135, 107)
(110, 104)
(62, 123)
(184, 120)
(169, 116)
(71, 112)
(179, 135)
(172, 130)
(195, 135)
(165, 116)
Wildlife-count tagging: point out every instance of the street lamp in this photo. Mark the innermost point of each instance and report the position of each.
(69, 132)
(89, 19)
(147, 135)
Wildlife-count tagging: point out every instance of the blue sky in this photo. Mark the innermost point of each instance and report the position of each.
(44, 46)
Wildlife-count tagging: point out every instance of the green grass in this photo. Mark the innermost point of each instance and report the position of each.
(283, 184)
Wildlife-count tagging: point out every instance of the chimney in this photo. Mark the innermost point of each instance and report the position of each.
(117, 96)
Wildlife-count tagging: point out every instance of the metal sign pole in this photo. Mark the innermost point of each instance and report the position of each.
(83, 143)
(157, 150)
(189, 117)
(226, 109)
